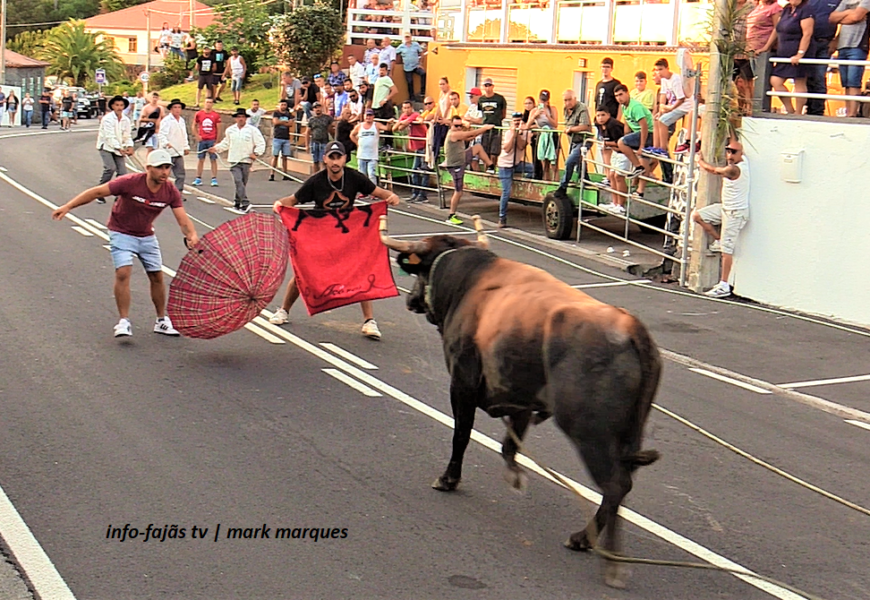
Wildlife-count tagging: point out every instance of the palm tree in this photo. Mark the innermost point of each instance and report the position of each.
(75, 54)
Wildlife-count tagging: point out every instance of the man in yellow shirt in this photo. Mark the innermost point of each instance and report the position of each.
(640, 92)
(454, 108)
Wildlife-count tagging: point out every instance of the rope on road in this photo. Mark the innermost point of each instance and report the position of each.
(592, 536)
(762, 463)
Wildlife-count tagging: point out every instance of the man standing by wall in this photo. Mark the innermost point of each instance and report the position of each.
(173, 137)
(388, 54)
(207, 122)
(141, 198)
(494, 108)
(732, 213)
(45, 107)
(823, 33)
(411, 52)
(357, 71)
(243, 144)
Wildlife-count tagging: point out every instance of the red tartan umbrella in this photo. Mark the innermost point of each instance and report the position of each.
(229, 277)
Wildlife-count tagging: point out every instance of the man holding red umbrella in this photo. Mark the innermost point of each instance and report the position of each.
(335, 187)
(141, 197)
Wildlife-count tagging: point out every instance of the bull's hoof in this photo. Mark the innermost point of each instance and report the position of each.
(516, 478)
(578, 542)
(615, 575)
(445, 484)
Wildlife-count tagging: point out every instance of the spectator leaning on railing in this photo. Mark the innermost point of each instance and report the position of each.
(852, 44)
(576, 117)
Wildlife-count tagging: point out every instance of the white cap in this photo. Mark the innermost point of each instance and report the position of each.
(158, 158)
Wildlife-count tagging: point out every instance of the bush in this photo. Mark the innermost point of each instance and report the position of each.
(308, 38)
(173, 72)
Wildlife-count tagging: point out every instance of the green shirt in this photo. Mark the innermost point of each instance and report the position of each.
(634, 112)
(382, 90)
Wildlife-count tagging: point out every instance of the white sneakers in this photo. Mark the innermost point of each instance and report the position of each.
(280, 317)
(123, 328)
(164, 326)
(370, 330)
(614, 209)
(715, 246)
(720, 290)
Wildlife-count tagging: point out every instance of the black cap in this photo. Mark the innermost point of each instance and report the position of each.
(517, 115)
(305, 80)
(334, 148)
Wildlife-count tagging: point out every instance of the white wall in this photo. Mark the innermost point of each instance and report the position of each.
(807, 245)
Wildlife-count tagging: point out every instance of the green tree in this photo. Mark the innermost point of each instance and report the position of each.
(75, 54)
(241, 23)
(113, 5)
(308, 38)
(22, 13)
(27, 43)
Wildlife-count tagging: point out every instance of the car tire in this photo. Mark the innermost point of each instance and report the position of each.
(558, 216)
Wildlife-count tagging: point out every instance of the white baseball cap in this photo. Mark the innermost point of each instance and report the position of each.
(158, 158)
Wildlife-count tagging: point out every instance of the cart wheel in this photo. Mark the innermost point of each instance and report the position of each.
(558, 214)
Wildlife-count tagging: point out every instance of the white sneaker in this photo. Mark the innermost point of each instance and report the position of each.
(720, 290)
(165, 327)
(715, 246)
(280, 317)
(370, 330)
(617, 209)
(123, 328)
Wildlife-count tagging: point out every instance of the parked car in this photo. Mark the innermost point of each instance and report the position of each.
(86, 103)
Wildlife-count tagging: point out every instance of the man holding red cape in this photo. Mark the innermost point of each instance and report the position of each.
(334, 188)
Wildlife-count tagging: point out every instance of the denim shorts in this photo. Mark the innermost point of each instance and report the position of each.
(851, 75)
(280, 147)
(202, 150)
(123, 247)
(237, 84)
(669, 118)
(632, 140)
(317, 150)
(151, 142)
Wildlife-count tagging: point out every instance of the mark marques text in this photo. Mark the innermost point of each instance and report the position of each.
(156, 533)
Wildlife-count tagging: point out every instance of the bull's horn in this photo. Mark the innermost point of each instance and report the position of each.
(482, 240)
(398, 245)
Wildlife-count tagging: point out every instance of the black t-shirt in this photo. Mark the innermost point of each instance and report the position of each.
(45, 101)
(611, 131)
(310, 94)
(324, 193)
(282, 131)
(493, 109)
(605, 98)
(66, 103)
(101, 103)
(343, 130)
(220, 61)
(205, 64)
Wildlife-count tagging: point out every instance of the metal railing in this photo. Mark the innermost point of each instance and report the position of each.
(363, 24)
(810, 95)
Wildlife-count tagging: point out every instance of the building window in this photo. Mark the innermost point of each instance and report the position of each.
(132, 45)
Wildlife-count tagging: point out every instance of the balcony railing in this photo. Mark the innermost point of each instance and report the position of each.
(398, 19)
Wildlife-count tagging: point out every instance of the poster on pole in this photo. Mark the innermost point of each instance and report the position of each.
(100, 77)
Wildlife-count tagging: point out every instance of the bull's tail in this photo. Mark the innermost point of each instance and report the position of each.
(651, 368)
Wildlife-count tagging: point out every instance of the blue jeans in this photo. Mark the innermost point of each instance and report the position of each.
(418, 178)
(506, 179)
(369, 168)
(409, 79)
(571, 163)
(306, 108)
(28, 117)
(816, 82)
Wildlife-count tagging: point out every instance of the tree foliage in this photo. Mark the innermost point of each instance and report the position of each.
(308, 38)
(113, 5)
(173, 72)
(22, 14)
(75, 54)
(27, 43)
(241, 23)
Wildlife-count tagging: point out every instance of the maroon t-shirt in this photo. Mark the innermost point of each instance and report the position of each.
(136, 207)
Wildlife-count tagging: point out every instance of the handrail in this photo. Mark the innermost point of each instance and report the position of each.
(409, 22)
(821, 61)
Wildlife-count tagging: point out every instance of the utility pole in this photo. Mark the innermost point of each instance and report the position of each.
(3, 42)
(148, 48)
(703, 265)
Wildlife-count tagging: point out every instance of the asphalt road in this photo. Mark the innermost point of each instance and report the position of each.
(244, 432)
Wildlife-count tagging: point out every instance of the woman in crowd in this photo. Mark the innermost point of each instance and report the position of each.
(793, 37)
(12, 103)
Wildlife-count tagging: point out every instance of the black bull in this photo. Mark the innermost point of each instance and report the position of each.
(523, 345)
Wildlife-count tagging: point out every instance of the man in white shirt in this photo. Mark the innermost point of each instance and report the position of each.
(243, 145)
(172, 137)
(114, 141)
(388, 54)
(673, 105)
(357, 71)
(255, 114)
(165, 39)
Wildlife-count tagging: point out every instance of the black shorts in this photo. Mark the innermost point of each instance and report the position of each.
(491, 142)
(204, 81)
(217, 79)
(742, 70)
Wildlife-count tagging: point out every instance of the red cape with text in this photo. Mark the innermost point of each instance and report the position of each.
(337, 256)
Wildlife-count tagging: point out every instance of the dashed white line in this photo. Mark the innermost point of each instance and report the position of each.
(348, 356)
(737, 382)
(29, 555)
(858, 424)
(348, 380)
(204, 199)
(264, 334)
(800, 384)
(82, 231)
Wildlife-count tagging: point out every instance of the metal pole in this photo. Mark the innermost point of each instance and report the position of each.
(3, 42)
(148, 48)
(690, 179)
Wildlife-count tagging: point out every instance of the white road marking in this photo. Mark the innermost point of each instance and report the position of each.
(96, 224)
(583, 286)
(107, 247)
(49, 132)
(731, 380)
(348, 356)
(29, 555)
(263, 334)
(82, 231)
(858, 424)
(629, 515)
(410, 235)
(203, 223)
(204, 199)
(186, 192)
(801, 384)
(348, 380)
(4, 169)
